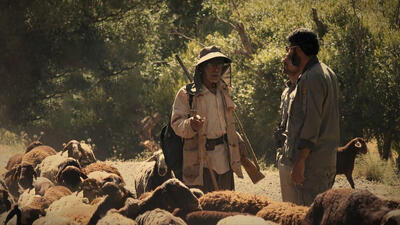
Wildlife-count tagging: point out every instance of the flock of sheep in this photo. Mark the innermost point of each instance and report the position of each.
(43, 186)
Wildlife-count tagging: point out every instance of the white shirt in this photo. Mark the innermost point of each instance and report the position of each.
(216, 127)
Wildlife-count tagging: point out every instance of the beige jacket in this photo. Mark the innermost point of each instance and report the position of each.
(194, 142)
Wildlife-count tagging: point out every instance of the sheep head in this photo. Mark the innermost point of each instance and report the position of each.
(161, 165)
(173, 194)
(26, 176)
(32, 146)
(391, 218)
(5, 201)
(71, 177)
(80, 151)
(360, 145)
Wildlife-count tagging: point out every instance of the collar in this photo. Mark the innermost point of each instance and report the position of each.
(313, 60)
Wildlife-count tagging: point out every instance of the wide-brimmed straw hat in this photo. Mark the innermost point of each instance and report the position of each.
(211, 52)
(207, 54)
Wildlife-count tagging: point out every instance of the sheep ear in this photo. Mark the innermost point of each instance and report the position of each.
(11, 214)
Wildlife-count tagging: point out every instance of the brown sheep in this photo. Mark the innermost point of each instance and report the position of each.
(232, 201)
(102, 166)
(6, 200)
(91, 186)
(347, 206)
(284, 213)
(14, 160)
(32, 145)
(116, 197)
(80, 151)
(205, 217)
(170, 195)
(70, 174)
(346, 156)
(35, 207)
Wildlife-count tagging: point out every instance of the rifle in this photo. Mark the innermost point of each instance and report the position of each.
(252, 168)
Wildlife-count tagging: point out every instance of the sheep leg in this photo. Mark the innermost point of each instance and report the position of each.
(350, 179)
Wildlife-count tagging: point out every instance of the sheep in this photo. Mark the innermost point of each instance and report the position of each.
(170, 195)
(71, 208)
(152, 173)
(244, 220)
(232, 201)
(346, 156)
(102, 166)
(391, 218)
(80, 151)
(49, 167)
(284, 213)
(31, 207)
(203, 216)
(116, 197)
(114, 218)
(29, 162)
(158, 217)
(69, 174)
(347, 206)
(6, 200)
(41, 185)
(91, 186)
(33, 145)
(14, 160)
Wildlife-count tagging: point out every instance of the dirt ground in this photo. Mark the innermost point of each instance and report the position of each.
(269, 186)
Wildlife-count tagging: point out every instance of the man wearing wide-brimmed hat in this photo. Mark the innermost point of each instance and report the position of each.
(210, 149)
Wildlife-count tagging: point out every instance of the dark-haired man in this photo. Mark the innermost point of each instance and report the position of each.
(310, 121)
(205, 122)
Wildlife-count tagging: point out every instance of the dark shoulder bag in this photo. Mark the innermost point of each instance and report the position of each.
(172, 144)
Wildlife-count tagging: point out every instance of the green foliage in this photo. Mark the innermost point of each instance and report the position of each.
(94, 69)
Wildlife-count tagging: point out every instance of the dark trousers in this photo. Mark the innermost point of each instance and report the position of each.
(225, 181)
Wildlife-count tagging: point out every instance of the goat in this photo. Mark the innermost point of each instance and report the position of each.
(346, 156)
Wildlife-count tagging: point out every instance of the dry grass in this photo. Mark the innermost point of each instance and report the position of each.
(373, 168)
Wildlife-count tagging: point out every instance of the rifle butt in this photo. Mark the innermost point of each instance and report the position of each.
(251, 169)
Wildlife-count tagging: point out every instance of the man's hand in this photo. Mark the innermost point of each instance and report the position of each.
(196, 122)
(298, 172)
(299, 166)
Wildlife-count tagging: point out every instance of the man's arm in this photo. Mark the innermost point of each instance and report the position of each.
(180, 121)
(313, 92)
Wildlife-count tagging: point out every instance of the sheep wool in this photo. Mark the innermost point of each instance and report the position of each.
(284, 213)
(232, 201)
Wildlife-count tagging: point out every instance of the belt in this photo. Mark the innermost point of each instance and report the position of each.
(211, 143)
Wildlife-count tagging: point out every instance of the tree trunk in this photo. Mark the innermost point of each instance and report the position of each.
(387, 143)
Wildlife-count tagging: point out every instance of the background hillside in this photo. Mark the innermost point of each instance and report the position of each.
(93, 70)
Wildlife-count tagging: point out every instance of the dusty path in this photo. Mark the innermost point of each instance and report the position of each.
(269, 186)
